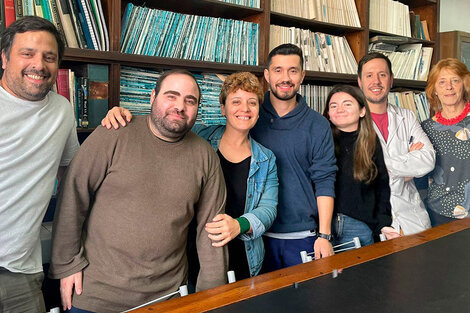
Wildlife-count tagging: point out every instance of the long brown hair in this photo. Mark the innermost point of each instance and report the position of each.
(364, 169)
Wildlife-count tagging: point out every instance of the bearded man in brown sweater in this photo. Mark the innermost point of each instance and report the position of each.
(120, 231)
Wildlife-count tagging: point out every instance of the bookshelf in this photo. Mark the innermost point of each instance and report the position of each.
(456, 44)
(357, 37)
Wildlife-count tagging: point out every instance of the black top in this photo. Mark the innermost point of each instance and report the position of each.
(236, 177)
(369, 203)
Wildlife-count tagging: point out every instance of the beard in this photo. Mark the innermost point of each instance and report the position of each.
(26, 90)
(284, 97)
(379, 100)
(171, 129)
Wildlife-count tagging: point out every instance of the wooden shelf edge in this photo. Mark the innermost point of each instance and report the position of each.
(212, 8)
(330, 77)
(409, 83)
(373, 32)
(286, 20)
(113, 57)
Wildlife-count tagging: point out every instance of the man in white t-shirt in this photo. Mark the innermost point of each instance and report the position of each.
(37, 137)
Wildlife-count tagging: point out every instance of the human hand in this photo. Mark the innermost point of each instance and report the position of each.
(115, 116)
(390, 232)
(67, 285)
(222, 229)
(322, 248)
(416, 146)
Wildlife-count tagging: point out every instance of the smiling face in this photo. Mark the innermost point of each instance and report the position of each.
(449, 89)
(174, 108)
(344, 112)
(376, 81)
(30, 70)
(241, 110)
(284, 76)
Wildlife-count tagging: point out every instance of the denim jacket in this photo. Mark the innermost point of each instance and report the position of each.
(261, 199)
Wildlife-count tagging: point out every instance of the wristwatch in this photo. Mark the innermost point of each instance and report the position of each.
(325, 236)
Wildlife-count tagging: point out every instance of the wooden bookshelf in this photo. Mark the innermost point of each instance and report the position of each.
(357, 37)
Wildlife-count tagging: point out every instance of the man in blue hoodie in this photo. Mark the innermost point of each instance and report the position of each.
(302, 141)
(303, 144)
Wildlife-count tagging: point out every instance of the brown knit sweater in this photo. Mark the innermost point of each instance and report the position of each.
(123, 216)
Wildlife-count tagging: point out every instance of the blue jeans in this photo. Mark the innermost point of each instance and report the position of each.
(346, 228)
(77, 310)
(282, 253)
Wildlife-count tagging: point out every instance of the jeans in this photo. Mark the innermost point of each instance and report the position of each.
(77, 310)
(346, 228)
(21, 292)
(281, 253)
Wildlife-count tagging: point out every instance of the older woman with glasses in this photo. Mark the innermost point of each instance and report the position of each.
(449, 131)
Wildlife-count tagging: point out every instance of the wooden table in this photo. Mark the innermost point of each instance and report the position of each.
(376, 278)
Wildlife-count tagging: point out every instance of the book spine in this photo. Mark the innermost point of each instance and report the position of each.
(84, 88)
(98, 81)
(9, 8)
(66, 21)
(63, 83)
(19, 9)
(74, 13)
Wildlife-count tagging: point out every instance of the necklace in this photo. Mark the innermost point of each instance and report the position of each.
(452, 121)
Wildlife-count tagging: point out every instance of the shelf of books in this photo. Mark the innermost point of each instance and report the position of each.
(225, 36)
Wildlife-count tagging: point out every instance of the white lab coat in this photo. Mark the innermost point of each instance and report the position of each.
(408, 211)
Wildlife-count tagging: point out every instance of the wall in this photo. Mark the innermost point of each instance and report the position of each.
(454, 15)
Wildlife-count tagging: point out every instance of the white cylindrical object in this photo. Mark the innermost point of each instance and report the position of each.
(55, 310)
(303, 256)
(231, 277)
(382, 237)
(183, 290)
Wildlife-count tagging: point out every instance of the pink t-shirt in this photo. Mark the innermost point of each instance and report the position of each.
(381, 120)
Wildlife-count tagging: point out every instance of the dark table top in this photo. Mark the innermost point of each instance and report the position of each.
(432, 277)
(425, 272)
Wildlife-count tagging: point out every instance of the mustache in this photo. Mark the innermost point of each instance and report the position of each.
(177, 112)
(36, 72)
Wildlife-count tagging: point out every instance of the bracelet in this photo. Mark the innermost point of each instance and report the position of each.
(244, 224)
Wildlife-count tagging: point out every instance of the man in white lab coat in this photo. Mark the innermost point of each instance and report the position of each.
(408, 153)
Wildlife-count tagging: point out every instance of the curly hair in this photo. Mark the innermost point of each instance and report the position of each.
(453, 65)
(241, 80)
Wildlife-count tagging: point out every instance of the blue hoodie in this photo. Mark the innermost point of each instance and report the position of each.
(303, 145)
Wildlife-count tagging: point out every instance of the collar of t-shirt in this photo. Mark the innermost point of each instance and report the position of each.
(381, 120)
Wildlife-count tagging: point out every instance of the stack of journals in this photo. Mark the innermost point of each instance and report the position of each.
(322, 52)
(80, 22)
(315, 96)
(389, 16)
(248, 3)
(409, 61)
(137, 85)
(343, 12)
(414, 101)
(209, 109)
(168, 34)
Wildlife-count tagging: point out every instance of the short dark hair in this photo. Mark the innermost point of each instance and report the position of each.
(165, 74)
(30, 24)
(286, 49)
(370, 56)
